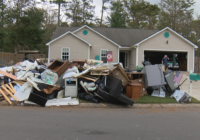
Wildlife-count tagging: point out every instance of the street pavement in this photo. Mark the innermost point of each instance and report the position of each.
(37, 123)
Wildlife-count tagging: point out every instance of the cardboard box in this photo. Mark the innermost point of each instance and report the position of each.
(120, 73)
(59, 66)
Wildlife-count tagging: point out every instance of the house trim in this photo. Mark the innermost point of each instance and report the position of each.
(125, 48)
(195, 46)
(66, 34)
(49, 54)
(137, 56)
(88, 52)
(194, 60)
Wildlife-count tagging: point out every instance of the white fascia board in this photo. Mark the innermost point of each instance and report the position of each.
(97, 33)
(71, 34)
(125, 48)
(134, 46)
(195, 46)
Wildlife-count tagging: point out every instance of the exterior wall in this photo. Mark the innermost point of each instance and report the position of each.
(132, 60)
(98, 43)
(175, 43)
(78, 48)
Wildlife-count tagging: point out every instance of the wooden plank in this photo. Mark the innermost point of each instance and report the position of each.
(8, 75)
(9, 93)
(10, 88)
(99, 73)
(5, 96)
(94, 79)
(19, 82)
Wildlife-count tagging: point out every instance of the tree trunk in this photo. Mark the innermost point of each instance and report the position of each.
(102, 10)
(59, 14)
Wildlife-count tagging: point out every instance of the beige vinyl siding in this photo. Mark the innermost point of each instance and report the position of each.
(78, 48)
(132, 60)
(175, 43)
(98, 43)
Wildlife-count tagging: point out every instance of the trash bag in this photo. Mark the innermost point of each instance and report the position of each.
(87, 97)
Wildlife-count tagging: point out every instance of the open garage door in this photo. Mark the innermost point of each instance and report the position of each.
(180, 58)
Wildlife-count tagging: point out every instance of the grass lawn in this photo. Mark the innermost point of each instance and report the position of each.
(147, 99)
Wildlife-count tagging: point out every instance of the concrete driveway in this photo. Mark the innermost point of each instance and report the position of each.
(195, 92)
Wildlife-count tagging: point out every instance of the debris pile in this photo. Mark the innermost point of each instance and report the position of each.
(62, 82)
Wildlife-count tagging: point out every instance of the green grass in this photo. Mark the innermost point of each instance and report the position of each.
(147, 99)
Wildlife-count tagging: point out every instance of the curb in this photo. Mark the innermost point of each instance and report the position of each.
(101, 105)
(107, 105)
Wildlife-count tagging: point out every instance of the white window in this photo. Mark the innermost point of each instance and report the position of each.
(103, 55)
(65, 53)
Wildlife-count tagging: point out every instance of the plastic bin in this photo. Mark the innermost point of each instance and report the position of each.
(194, 76)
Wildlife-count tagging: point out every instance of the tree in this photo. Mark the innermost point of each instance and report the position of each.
(59, 2)
(49, 26)
(3, 22)
(117, 17)
(80, 12)
(152, 13)
(176, 14)
(73, 12)
(141, 14)
(25, 29)
(103, 9)
(195, 34)
(30, 32)
(15, 12)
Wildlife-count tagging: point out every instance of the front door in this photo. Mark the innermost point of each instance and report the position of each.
(123, 58)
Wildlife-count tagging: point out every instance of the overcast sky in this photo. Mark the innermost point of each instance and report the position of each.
(98, 4)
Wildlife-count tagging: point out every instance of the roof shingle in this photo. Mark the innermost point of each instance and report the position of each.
(125, 37)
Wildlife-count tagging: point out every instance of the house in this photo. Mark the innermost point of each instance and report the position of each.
(128, 46)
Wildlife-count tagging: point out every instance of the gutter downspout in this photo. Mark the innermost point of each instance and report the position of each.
(49, 54)
(137, 55)
(88, 52)
(194, 60)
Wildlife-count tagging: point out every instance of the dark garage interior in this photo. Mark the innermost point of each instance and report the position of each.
(155, 57)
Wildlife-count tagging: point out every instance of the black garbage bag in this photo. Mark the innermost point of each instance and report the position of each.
(87, 97)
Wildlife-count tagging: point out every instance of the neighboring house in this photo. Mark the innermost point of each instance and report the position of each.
(128, 46)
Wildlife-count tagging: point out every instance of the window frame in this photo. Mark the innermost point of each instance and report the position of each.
(101, 53)
(66, 55)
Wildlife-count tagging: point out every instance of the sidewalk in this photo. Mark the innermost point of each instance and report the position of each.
(195, 92)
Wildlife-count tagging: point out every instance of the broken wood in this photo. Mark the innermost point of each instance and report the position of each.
(94, 79)
(9, 93)
(8, 75)
(5, 97)
(94, 61)
(19, 82)
(10, 88)
(99, 73)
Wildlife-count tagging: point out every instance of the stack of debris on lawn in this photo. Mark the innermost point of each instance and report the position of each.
(62, 82)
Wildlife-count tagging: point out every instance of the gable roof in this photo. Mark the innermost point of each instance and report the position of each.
(85, 26)
(195, 46)
(125, 37)
(66, 34)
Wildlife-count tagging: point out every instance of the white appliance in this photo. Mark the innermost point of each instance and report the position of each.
(71, 87)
